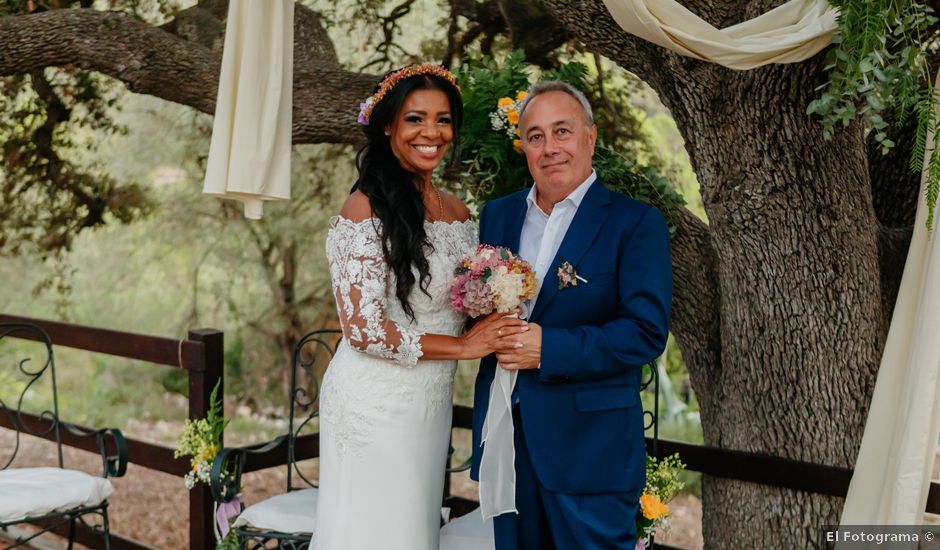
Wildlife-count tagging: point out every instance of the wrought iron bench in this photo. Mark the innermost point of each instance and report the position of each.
(285, 520)
(50, 497)
(268, 522)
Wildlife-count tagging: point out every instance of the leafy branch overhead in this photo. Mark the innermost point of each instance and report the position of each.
(51, 190)
(881, 68)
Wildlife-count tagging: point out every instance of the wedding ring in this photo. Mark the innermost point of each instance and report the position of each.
(499, 332)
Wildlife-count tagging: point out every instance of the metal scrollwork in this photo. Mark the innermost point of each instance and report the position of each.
(15, 415)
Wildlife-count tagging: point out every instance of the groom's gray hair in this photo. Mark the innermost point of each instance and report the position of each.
(558, 86)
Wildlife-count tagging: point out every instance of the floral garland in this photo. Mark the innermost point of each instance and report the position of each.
(393, 78)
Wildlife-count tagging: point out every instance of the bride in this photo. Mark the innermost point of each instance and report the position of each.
(385, 404)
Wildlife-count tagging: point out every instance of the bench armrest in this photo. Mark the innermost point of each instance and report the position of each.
(112, 465)
(225, 477)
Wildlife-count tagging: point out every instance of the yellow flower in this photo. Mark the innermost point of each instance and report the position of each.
(652, 507)
(522, 95)
(517, 132)
(517, 145)
(513, 117)
(505, 101)
(207, 454)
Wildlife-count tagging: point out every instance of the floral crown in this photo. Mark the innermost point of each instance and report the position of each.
(393, 78)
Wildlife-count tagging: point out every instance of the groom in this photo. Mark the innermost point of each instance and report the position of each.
(602, 312)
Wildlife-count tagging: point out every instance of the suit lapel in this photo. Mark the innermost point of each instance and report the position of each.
(513, 228)
(581, 233)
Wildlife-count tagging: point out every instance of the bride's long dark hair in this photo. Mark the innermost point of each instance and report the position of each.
(394, 193)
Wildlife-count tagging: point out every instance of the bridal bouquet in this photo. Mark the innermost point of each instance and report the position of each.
(492, 279)
(662, 483)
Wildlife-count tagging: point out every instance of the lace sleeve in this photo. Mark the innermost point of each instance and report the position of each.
(359, 276)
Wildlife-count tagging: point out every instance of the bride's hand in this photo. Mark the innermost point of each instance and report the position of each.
(495, 332)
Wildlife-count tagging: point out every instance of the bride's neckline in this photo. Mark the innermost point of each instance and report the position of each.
(340, 219)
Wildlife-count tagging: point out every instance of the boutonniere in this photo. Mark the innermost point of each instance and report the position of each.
(567, 276)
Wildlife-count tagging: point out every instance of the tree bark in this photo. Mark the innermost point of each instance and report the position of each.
(151, 60)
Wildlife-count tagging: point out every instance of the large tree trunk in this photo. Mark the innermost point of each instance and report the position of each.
(793, 260)
(795, 236)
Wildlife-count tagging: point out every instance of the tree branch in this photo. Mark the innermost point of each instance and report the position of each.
(150, 60)
(696, 317)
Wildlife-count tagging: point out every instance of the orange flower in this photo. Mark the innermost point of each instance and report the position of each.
(652, 507)
(522, 95)
(513, 117)
(504, 101)
(517, 145)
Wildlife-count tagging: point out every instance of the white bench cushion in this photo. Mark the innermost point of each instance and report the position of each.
(294, 512)
(468, 532)
(31, 492)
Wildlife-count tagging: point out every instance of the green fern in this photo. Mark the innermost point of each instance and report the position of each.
(932, 185)
(879, 69)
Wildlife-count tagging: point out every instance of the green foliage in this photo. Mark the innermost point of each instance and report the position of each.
(662, 476)
(494, 168)
(880, 68)
(229, 542)
(50, 190)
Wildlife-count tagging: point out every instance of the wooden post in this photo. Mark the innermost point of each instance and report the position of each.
(202, 379)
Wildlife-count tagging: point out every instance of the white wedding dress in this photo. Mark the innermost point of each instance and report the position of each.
(385, 415)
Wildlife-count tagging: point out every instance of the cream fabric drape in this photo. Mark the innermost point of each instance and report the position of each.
(892, 472)
(789, 33)
(249, 157)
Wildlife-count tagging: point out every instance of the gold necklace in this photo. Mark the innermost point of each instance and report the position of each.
(440, 203)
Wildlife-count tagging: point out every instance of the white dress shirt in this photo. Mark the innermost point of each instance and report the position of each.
(542, 233)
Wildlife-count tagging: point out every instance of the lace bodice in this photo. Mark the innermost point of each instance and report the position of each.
(372, 318)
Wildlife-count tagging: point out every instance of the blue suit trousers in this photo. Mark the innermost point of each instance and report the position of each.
(549, 520)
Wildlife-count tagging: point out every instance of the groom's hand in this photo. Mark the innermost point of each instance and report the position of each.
(526, 356)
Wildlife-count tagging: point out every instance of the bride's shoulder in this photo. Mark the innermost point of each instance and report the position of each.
(456, 207)
(355, 217)
(357, 208)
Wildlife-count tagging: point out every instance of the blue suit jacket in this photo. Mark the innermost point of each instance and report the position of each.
(581, 410)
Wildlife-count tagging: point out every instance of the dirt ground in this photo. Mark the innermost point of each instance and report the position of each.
(152, 507)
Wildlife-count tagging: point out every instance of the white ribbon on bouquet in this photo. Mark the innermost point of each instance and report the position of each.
(497, 466)
(498, 463)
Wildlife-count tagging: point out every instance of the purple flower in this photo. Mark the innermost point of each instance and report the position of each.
(362, 114)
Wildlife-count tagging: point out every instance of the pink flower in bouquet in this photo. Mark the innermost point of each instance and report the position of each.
(492, 279)
(456, 292)
(478, 298)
